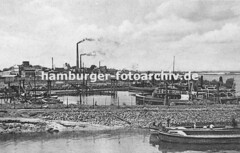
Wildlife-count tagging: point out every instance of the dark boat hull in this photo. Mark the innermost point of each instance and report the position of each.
(143, 89)
(149, 100)
(180, 147)
(199, 139)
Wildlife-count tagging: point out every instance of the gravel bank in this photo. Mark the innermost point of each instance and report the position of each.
(102, 118)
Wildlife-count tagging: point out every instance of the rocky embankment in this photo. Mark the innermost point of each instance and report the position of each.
(102, 118)
(27, 125)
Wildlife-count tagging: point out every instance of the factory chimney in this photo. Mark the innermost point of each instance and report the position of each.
(99, 64)
(52, 63)
(77, 59)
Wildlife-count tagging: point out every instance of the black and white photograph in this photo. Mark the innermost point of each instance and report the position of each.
(119, 76)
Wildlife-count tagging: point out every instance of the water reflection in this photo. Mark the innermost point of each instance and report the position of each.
(117, 141)
(121, 98)
(92, 142)
(166, 147)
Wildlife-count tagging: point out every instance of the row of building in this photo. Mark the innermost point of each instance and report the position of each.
(26, 70)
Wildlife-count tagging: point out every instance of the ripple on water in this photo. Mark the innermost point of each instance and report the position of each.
(118, 141)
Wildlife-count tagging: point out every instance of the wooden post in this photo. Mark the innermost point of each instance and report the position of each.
(218, 92)
(166, 95)
(189, 90)
(41, 104)
(49, 84)
(131, 100)
(143, 100)
(50, 87)
(25, 92)
(14, 104)
(77, 58)
(19, 87)
(67, 101)
(34, 87)
(83, 82)
(201, 81)
(118, 102)
(80, 97)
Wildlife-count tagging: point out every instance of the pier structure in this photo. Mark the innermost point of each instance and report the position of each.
(113, 91)
(49, 87)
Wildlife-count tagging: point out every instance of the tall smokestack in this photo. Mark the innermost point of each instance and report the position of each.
(99, 64)
(52, 63)
(77, 53)
(77, 59)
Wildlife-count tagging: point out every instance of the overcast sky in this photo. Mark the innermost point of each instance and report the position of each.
(142, 34)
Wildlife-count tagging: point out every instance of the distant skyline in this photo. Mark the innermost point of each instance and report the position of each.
(203, 35)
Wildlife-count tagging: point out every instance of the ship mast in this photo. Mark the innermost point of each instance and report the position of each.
(173, 63)
(173, 69)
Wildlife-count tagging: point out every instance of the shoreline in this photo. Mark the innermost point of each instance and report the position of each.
(112, 118)
(36, 125)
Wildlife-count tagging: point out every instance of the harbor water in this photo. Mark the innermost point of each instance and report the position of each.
(128, 98)
(120, 141)
(121, 97)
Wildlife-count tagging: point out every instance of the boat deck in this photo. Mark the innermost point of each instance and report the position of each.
(214, 136)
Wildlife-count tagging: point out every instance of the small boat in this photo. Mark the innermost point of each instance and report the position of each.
(150, 100)
(199, 135)
(230, 100)
(143, 89)
(54, 96)
(52, 101)
(180, 147)
(158, 96)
